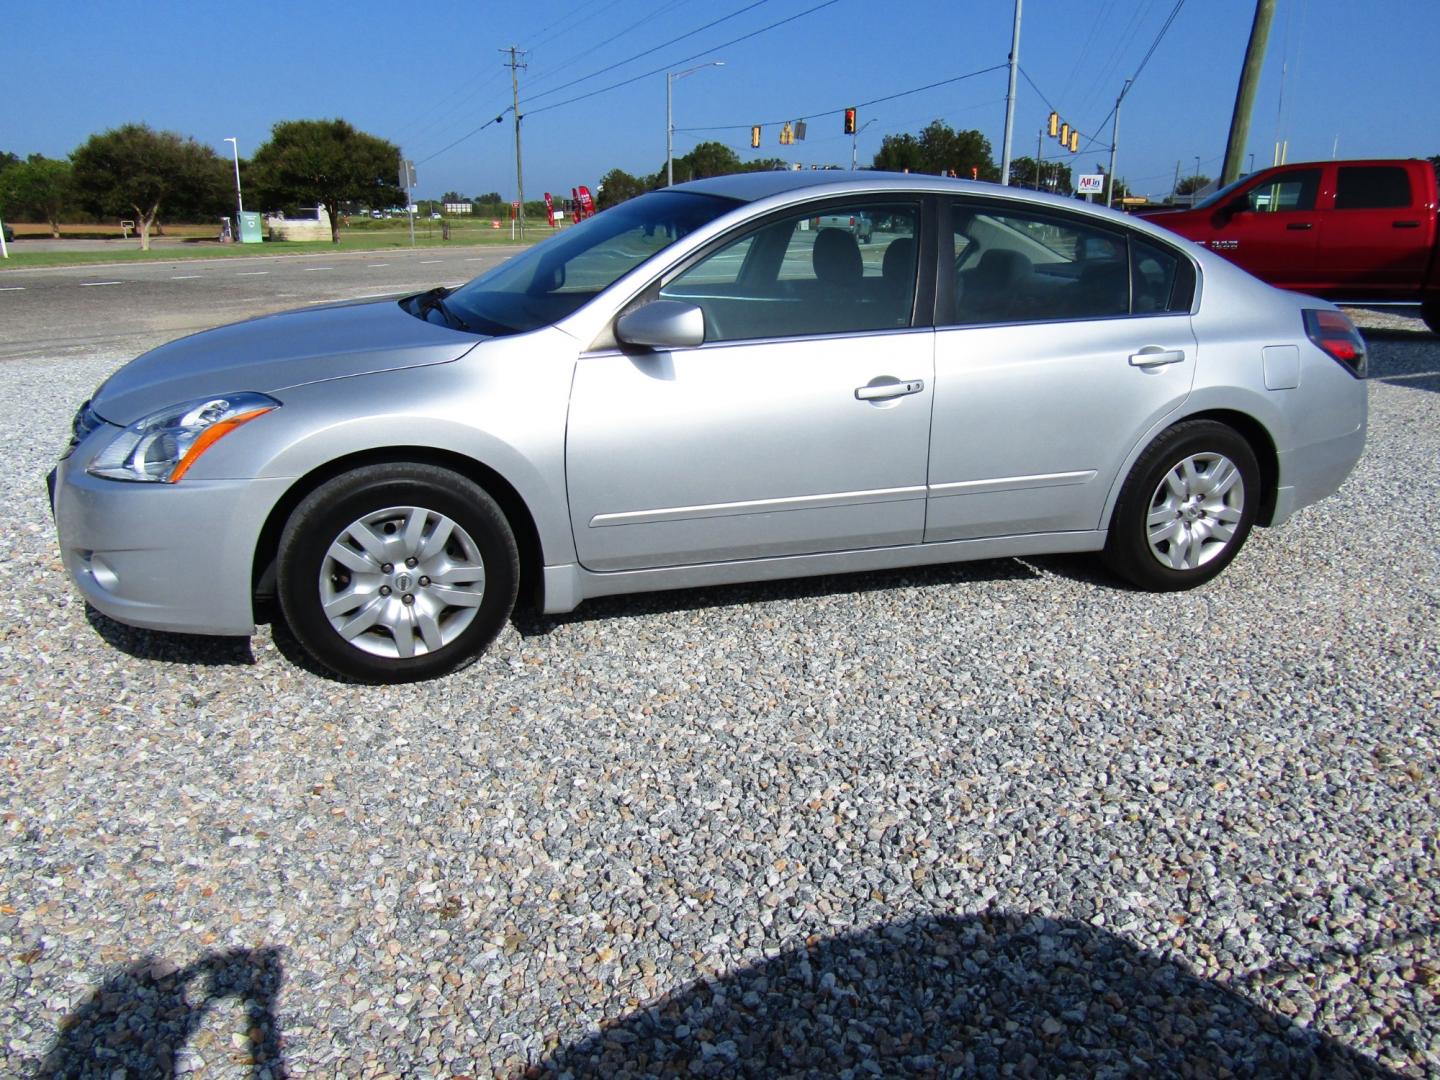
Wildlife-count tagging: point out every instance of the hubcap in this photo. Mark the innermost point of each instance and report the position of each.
(1195, 511)
(402, 582)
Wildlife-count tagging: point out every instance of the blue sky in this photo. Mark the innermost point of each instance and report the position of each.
(423, 77)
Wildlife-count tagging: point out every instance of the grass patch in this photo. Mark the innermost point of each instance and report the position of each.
(20, 259)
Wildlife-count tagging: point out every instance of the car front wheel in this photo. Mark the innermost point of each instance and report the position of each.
(393, 573)
(1185, 509)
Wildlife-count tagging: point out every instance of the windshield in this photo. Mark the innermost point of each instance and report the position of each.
(561, 274)
(1221, 195)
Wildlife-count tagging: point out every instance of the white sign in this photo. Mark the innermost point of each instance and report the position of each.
(1091, 184)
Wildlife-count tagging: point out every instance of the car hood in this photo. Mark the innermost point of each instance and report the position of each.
(274, 352)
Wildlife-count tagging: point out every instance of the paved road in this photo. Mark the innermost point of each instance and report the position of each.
(66, 311)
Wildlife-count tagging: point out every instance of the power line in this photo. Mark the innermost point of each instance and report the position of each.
(860, 105)
(648, 17)
(1159, 37)
(683, 60)
(619, 64)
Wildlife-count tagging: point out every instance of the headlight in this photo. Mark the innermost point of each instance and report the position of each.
(161, 447)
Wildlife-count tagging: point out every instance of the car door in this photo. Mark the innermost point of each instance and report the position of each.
(800, 425)
(1059, 343)
(1376, 239)
(1272, 229)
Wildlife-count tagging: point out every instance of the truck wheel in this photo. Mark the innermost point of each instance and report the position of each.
(1430, 312)
(393, 573)
(1186, 508)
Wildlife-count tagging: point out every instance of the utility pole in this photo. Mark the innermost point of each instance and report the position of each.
(1174, 187)
(1114, 142)
(1039, 145)
(1010, 98)
(515, 100)
(1245, 94)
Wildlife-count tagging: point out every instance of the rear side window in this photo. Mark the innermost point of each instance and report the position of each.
(1372, 187)
(1156, 281)
(1014, 265)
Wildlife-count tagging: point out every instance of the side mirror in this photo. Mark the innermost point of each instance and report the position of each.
(662, 324)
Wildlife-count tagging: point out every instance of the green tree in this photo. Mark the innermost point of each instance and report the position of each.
(326, 162)
(135, 168)
(1191, 184)
(7, 159)
(1054, 175)
(900, 153)
(945, 150)
(616, 186)
(706, 159)
(453, 197)
(38, 188)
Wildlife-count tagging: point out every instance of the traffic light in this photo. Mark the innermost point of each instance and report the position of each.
(1054, 124)
(1074, 142)
(849, 121)
(1064, 134)
(787, 136)
(800, 130)
(755, 135)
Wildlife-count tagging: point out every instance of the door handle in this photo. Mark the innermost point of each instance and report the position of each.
(1405, 224)
(1298, 226)
(881, 391)
(1155, 356)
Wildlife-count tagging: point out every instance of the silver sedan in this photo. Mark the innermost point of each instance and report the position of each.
(711, 383)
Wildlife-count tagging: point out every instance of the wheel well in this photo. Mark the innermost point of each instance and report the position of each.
(1259, 439)
(527, 536)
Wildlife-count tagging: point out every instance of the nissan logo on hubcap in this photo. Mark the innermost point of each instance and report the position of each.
(403, 582)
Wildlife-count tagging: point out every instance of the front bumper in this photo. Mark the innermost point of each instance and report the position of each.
(160, 556)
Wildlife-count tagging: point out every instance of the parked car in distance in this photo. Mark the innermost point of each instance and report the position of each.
(9, 234)
(697, 387)
(1345, 230)
(860, 225)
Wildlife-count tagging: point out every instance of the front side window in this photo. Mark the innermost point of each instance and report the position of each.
(1372, 187)
(1294, 190)
(1022, 266)
(558, 276)
(840, 269)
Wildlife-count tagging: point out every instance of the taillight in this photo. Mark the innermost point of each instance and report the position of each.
(1336, 334)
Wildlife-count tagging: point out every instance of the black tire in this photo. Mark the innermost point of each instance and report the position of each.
(1430, 312)
(1196, 539)
(407, 612)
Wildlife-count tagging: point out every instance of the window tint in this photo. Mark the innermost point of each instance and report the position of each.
(845, 270)
(1372, 187)
(1015, 266)
(1294, 190)
(1154, 273)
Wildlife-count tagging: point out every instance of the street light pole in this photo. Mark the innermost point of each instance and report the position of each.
(1115, 142)
(855, 143)
(1010, 98)
(239, 200)
(670, 77)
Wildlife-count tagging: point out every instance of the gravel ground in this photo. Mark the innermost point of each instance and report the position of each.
(999, 818)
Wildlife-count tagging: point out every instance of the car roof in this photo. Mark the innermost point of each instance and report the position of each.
(752, 186)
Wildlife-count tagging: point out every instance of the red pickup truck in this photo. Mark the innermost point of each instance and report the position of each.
(1363, 231)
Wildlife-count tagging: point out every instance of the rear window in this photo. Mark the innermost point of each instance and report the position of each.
(1372, 187)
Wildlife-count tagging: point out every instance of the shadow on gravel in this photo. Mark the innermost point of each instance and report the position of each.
(139, 1021)
(982, 995)
(1404, 358)
(530, 622)
(176, 648)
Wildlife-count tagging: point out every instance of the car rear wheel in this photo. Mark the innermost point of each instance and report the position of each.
(392, 573)
(1185, 509)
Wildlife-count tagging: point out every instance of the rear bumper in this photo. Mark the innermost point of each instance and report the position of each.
(1310, 473)
(161, 556)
